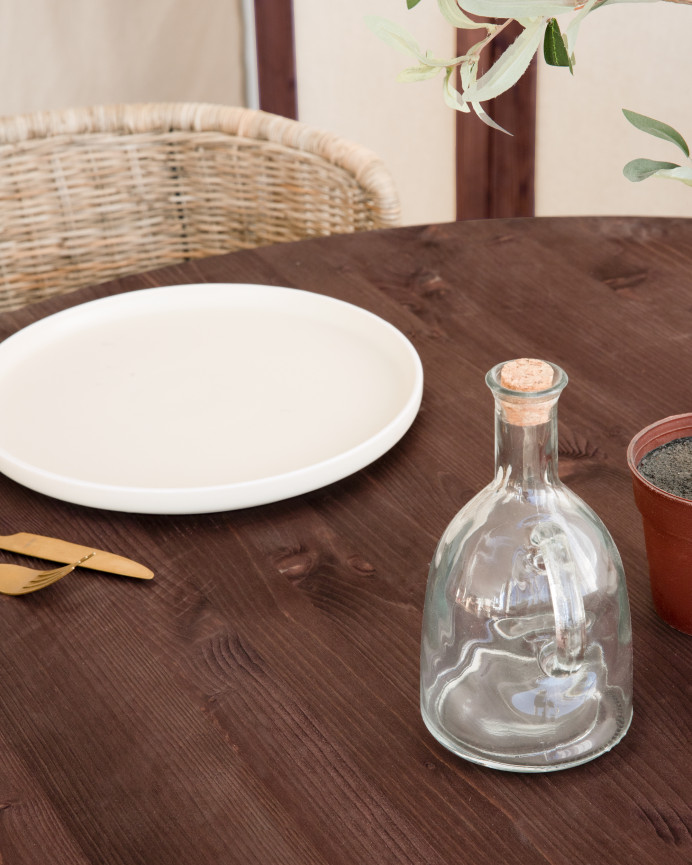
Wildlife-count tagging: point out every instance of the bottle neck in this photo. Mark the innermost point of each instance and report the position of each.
(526, 456)
(526, 423)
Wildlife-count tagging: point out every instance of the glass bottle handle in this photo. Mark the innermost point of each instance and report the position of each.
(565, 654)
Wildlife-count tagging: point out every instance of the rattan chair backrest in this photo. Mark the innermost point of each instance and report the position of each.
(87, 195)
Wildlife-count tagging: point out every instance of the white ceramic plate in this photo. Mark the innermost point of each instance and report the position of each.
(200, 398)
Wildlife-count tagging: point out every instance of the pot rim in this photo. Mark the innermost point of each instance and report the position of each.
(685, 429)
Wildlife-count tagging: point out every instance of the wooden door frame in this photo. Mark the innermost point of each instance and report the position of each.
(276, 65)
(494, 171)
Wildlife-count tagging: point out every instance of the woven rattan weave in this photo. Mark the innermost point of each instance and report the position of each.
(87, 195)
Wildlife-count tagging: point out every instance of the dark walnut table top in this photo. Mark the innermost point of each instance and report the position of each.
(257, 702)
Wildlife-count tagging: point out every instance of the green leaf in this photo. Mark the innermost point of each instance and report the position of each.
(684, 174)
(640, 169)
(456, 17)
(411, 3)
(455, 100)
(529, 9)
(509, 67)
(655, 127)
(418, 73)
(394, 35)
(667, 171)
(402, 40)
(451, 95)
(487, 119)
(554, 47)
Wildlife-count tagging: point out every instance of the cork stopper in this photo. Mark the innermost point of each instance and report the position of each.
(526, 375)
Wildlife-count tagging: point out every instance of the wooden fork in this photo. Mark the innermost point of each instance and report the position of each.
(18, 580)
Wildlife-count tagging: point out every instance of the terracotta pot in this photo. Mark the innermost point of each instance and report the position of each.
(667, 523)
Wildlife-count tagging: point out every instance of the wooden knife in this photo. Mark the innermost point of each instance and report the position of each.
(55, 550)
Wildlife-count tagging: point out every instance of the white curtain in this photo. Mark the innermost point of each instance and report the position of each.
(82, 52)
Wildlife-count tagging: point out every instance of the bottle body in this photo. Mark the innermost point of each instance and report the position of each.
(526, 660)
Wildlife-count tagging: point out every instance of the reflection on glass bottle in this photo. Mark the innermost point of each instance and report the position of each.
(526, 657)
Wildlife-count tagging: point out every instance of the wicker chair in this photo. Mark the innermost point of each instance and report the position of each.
(88, 195)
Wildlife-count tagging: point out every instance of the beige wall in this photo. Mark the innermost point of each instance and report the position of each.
(347, 84)
(62, 53)
(634, 56)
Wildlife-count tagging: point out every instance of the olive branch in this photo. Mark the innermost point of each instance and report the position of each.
(464, 90)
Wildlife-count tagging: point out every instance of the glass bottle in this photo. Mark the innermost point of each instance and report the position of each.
(526, 656)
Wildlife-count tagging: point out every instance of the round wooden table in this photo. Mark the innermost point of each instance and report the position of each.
(257, 702)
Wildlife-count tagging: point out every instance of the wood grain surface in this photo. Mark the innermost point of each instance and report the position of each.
(495, 173)
(257, 702)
